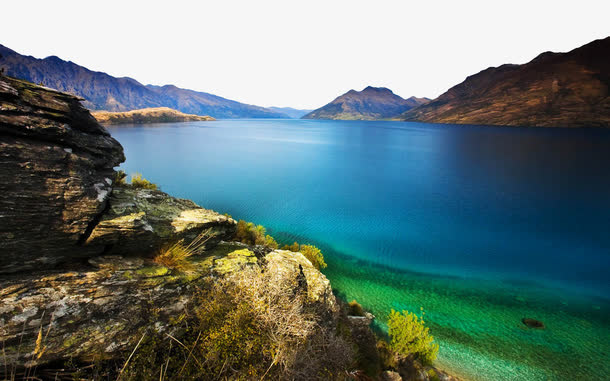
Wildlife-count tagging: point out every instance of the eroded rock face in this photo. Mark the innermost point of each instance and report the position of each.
(56, 166)
(101, 309)
(138, 221)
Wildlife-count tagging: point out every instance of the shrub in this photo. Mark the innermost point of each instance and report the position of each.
(409, 335)
(119, 177)
(248, 326)
(137, 181)
(314, 255)
(251, 234)
(294, 247)
(355, 309)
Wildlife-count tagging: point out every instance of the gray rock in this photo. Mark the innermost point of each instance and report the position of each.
(139, 221)
(56, 165)
(103, 307)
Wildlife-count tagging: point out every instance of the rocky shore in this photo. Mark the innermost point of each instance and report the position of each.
(81, 283)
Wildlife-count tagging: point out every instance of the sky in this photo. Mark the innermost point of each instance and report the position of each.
(301, 54)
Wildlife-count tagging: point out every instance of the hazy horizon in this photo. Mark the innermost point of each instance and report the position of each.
(303, 56)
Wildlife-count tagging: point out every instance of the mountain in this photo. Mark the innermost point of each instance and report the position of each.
(147, 115)
(369, 104)
(554, 89)
(290, 112)
(104, 92)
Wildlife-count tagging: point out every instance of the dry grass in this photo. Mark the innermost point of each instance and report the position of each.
(176, 256)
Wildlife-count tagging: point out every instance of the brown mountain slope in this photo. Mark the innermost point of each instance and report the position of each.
(369, 104)
(554, 89)
(147, 115)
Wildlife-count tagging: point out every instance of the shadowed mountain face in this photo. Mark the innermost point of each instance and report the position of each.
(369, 104)
(554, 89)
(104, 92)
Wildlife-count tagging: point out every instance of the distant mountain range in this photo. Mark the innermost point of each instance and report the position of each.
(104, 92)
(372, 103)
(291, 112)
(554, 89)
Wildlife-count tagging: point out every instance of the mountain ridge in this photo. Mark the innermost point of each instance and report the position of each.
(102, 91)
(554, 89)
(372, 103)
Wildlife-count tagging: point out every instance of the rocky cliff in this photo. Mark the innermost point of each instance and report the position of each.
(554, 89)
(81, 281)
(57, 165)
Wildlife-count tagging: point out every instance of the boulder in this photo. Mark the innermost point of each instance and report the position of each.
(139, 221)
(57, 164)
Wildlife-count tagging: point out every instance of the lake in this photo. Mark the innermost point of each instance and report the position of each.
(480, 226)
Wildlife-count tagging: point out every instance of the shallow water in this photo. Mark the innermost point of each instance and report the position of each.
(481, 226)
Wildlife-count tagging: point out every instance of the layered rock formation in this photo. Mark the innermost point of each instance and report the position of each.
(148, 115)
(101, 309)
(56, 163)
(554, 89)
(138, 221)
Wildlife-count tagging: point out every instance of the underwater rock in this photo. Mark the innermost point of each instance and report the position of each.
(533, 323)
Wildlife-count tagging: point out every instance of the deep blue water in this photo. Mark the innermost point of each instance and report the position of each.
(513, 208)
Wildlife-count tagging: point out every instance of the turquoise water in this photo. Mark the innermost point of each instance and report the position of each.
(481, 226)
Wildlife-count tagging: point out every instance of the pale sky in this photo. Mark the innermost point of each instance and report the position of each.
(299, 54)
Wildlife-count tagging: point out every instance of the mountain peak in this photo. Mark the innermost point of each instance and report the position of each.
(377, 89)
(369, 104)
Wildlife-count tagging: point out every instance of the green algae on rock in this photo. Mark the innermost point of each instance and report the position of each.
(139, 221)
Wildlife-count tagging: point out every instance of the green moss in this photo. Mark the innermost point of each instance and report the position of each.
(153, 271)
(235, 261)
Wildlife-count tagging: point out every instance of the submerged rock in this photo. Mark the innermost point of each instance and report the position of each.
(533, 323)
(56, 165)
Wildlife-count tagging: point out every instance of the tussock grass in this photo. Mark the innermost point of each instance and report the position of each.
(176, 256)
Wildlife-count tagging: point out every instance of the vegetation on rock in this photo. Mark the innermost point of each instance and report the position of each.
(310, 252)
(176, 256)
(251, 234)
(137, 181)
(409, 336)
(355, 309)
(250, 325)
